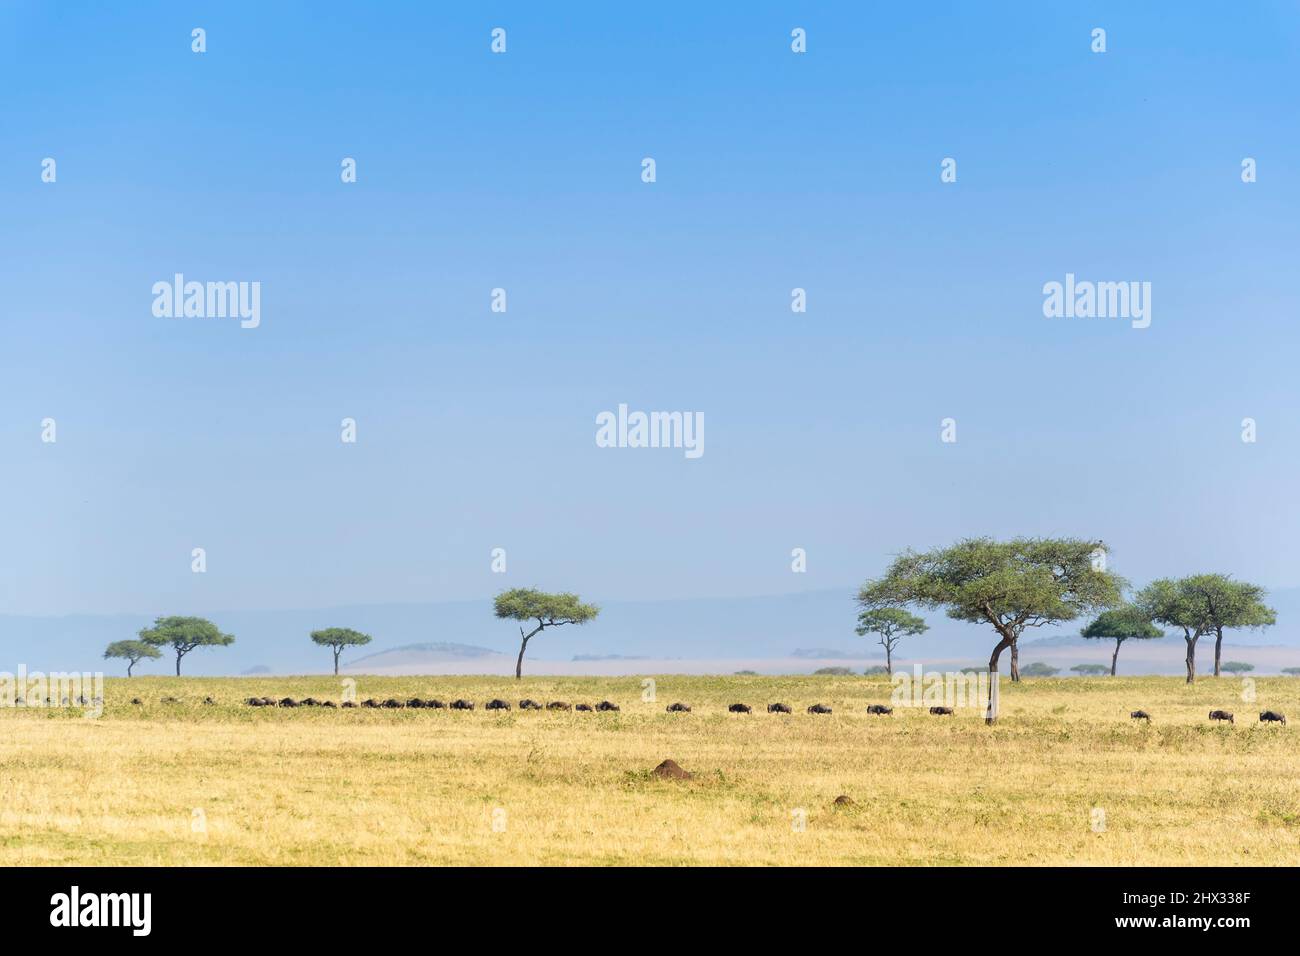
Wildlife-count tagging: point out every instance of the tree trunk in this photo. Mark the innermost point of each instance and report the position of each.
(1115, 657)
(1191, 659)
(1218, 649)
(1015, 662)
(889, 660)
(519, 663)
(179, 655)
(991, 714)
(337, 650)
(128, 668)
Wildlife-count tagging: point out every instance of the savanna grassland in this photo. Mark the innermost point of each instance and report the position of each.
(190, 783)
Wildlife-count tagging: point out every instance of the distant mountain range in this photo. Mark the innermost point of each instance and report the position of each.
(779, 633)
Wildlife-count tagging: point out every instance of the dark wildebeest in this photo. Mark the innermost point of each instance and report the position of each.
(496, 703)
(778, 708)
(679, 708)
(348, 703)
(370, 702)
(879, 709)
(137, 701)
(268, 701)
(819, 709)
(557, 705)
(393, 703)
(941, 711)
(1272, 717)
(308, 702)
(582, 706)
(1140, 715)
(288, 702)
(529, 704)
(434, 703)
(461, 704)
(416, 702)
(606, 705)
(739, 709)
(254, 702)
(327, 703)
(1222, 715)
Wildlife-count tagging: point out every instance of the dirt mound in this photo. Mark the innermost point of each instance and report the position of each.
(670, 770)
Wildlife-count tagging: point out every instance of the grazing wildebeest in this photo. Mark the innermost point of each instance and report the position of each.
(308, 702)
(460, 704)
(879, 709)
(254, 702)
(496, 703)
(370, 702)
(416, 702)
(288, 702)
(679, 708)
(348, 703)
(557, 705)
(819, 709)
(606, 705)
(1140, 715)
(740, 709)
(529, 704)
(582, 706)
(393, 703)
(941, 711)
(434, 703)
(778, 708)
(268, 701)
(1222, 715)
(137, 701)
(327, 703)
(1272, 717)
(209, 700)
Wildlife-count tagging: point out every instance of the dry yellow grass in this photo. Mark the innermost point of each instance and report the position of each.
(227, 784)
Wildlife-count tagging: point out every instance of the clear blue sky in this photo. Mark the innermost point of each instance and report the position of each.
(775, 170)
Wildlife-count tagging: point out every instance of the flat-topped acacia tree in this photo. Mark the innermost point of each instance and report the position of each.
(891, 625)
(1009, 585)
(338, 638)
(183, 634)
(133, 652)
(1120, 624)
(548, 610)
(1205, 603)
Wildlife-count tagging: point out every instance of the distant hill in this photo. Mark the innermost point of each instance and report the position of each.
(414, 654)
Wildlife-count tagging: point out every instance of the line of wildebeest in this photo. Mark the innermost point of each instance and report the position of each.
(419, 703)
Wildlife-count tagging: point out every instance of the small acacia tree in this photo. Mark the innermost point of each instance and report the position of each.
(1121, 624)
(1092, 670)
(548, 610)
(183, 634)
(1238, 667)
(891, 624)
(1040, 669)
(133, 652)
(1230, 604)
(1009, 585)
(339, 638)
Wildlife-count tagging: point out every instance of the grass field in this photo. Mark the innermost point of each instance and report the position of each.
(189, 783)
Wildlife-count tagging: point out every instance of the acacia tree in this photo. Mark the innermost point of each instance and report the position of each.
(1120, 624)
(132, 651)
(1092, 670)
(184, 634)
(1011, 585)
(892, 624)
(1238, 667)
(548, 610)
(338, 638)
(1230, 604)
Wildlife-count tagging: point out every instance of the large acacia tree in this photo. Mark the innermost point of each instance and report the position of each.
(1120, 624)
(891, 625)
(1009, 585)
(338, 638)
(1203, 604)
(184, 634)
(548, 610)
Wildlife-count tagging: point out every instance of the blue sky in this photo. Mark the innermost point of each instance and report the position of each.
(522, 171)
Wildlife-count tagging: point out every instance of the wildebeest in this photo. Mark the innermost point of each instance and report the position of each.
(778, 708)
(416, 702)
(288, 702)
(254, 702)
(1140, 715)
(880, 709)
(327, 703)
(461, 704)
(268, 701)
(582, 706)
(209, 700)
(137, 701)
(739, 709)
(678, 708)
(393, 703)
(819, 709)
(308, 702)
(941, 711)
(370, 702)
(1272, 717)
(529, 704)
(434, 703)
(606, 705)
(557, 705)
(348, 703)
(496, 703)
(1222, 715)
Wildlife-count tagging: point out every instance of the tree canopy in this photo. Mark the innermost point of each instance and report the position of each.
(1119, 624)
(1205, 603)
(892, 624)
(184, 634)
(1010, 585)
(131, 651)
(548, 610)
(338, 638)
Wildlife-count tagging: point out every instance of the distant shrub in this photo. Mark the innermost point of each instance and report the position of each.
(746, 674)
(1090, 670)
(833, 672)
(1039, 669)
(1291, 671)
(876, 670)
(1237, 667)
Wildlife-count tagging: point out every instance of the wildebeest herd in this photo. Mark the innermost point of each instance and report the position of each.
(419, 703)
